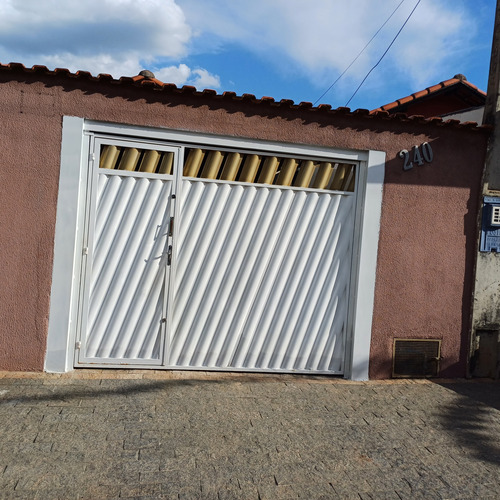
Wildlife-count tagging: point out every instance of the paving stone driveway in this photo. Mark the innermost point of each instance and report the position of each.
(123, 434)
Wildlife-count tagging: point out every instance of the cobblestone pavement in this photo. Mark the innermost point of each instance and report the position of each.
(137, 434)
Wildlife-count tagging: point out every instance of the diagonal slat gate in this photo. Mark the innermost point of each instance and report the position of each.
(262, 279)
(259, 276)
(127, 278)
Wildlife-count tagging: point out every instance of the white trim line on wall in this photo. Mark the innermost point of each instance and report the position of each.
(67, 248)
(371, 211)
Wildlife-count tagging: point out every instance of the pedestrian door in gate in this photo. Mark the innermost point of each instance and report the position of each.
(131, 204)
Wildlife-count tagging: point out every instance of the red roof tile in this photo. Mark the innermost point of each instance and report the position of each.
(149, 82)
(404, 100)
(458, 79)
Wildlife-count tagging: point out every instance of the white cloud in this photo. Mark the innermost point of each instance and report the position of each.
(174, 74)
(104, 26)
(321, 38)
(431, 41)
(127, 64)
(204, 79)
(183, 75)
(119, 37)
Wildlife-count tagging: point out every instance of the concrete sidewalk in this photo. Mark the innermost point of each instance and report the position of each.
(195, 435)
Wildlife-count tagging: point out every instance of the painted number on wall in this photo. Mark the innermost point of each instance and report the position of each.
(421, 155)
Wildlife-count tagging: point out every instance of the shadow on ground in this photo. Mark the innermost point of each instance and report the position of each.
(63, 393)
(473, 418)
(79, 389)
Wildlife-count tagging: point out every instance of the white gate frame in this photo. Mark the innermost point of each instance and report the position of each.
(70, 219)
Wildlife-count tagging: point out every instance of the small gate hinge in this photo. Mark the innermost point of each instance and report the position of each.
(78, 345)
(85, 250)
(92, 157)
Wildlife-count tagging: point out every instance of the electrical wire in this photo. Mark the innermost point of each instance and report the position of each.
(357, 57)
(383, 55)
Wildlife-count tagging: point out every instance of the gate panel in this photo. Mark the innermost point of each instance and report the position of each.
(128, 270)
(262, 278)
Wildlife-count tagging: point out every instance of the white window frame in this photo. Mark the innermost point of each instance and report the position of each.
(70, 220)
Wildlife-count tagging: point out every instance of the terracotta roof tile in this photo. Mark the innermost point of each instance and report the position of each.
(404, 100)
(419, 118)
(428, 91)
(452, 122)
(468, 124)
(170, 86)
(421, 93)
(435, 88)
(86, 74)
(40, 68)
(14, 65)
(148, 82)
(435, 119)
(101, 76)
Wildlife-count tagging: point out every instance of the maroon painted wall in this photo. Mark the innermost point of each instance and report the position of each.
(428, 233)
(427, 252)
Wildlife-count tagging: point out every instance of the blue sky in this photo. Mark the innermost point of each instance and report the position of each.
(286, 49)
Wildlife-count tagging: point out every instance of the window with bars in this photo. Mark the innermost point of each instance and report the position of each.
(236, 167)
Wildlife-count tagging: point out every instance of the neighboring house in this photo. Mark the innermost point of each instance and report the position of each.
(149, 226)
(455, 98)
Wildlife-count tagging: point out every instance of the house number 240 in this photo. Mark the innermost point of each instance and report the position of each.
(421, 154)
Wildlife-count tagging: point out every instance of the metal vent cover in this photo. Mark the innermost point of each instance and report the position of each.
(416, 358)
(495, 216)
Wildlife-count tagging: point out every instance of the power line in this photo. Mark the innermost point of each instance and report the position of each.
(383, 55)
(357, 57)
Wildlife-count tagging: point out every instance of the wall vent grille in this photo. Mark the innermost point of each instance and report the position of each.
(416, 358)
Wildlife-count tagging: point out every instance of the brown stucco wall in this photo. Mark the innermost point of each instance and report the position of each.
(428, 233)
(427, 252)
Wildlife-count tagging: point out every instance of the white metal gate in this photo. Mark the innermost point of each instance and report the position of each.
(259, 276)
(262, 278)
(125, 306)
